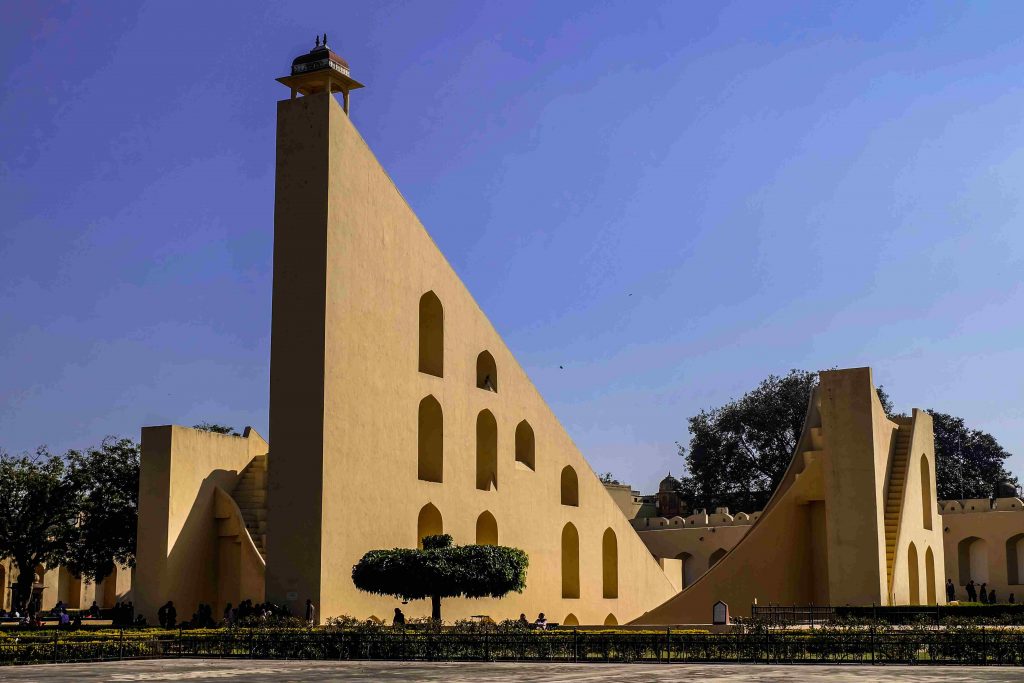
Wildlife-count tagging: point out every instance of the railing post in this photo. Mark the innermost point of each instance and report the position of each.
(120, 646)
(668, 644)
(872, 642)
(56, 634)
(575, 645)
(984, 646)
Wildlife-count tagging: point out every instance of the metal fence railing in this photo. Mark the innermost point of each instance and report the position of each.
(792, 615)
(970, 646)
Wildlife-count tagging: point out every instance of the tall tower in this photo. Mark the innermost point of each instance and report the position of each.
(396, 410)
(307, 166)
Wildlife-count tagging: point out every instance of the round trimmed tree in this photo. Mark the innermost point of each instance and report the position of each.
(442, 570)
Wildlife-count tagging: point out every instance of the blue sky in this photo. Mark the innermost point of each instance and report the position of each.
(671, 200)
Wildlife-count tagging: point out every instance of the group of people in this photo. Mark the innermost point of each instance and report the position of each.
(975, 593)
(246, 609)
(541, 622)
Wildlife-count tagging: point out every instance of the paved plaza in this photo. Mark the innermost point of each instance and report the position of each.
(300, 672)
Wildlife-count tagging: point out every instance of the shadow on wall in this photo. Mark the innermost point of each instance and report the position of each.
(194, 564)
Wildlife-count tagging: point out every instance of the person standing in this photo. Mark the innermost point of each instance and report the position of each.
(399, 619)
(950, 591)
(983, 594)
(310, 613)
(972, 594)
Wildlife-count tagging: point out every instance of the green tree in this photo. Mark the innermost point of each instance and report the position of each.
(968, 462)
(215, 428)
(106, 482)
(442, 570)
(38, 510)
(738, 452)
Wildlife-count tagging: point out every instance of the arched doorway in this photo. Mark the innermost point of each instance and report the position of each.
(929, 575)
(972, 560)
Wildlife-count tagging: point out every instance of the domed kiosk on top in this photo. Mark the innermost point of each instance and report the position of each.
(321, 70)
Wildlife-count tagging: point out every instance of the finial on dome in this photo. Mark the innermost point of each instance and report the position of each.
(318, 40)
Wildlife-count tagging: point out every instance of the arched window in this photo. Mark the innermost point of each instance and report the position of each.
(486, 372)
(486, 529)
(715, 557)
(486, 451)
(610, 564)
(929, 575)
(3, 588)
(431, 335)
(926, 492)
(913, 575)
(1015, 559)
(972, 560)
(570, 620)
(430, 464)
(525, 444)
(570, 487)
(570, 562)
(429, 523)
(610, 620)
(691, 572)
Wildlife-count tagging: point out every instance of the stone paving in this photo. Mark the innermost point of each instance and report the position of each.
(232, 670)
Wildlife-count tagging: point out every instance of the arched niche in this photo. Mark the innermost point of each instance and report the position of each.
(927, 504)
(715, 557)
(486, 451)
(610, 620)
(486, 372)
(429, 523)
(972, 560)
(486, 529)
(570, 487)
(430, 461)
(610, 564)
(1015, 559)
(570, 620)
(108, 596)
(929, 575)
(570, 562)
(913, 575)
(690, 569)
(431, 335)
(525, 445)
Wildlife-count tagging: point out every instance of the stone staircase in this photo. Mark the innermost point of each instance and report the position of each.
(251, 495)
(894, 495)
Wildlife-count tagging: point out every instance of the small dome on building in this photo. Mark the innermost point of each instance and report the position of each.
(669, 483)
(320, 57)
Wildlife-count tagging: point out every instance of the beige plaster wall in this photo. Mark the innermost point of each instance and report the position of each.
(379, 262)
(994, 528)
(912, 529)
(177, 548)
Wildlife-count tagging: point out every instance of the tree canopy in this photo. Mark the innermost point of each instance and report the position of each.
(79, 510)
(442, 570)
(106, 489)
(968, 462)
(216, 428)
(739, 452)
(37, 511)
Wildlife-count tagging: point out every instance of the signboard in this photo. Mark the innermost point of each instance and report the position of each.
(291, 595)
(720, 613)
